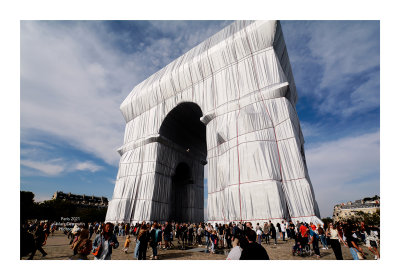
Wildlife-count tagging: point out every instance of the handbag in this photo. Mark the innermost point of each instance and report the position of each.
(97, 251)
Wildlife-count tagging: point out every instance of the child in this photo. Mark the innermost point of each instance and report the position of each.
(214, 241)
(126, 246)
(297, 243)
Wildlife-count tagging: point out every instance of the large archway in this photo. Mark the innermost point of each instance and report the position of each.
(184, 140)
(241, 80)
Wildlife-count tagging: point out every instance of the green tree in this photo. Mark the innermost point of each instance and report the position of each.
(27, 205)
(327, 220)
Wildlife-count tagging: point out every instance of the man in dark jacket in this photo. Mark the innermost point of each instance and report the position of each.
(40, 240)
(253, 250)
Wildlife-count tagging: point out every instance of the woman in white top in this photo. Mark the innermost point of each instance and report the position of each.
(335, 238)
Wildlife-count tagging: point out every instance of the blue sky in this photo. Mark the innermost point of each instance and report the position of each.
(75, 74)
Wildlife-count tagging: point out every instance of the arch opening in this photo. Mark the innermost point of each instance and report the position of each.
(183, 127)
(186, 144)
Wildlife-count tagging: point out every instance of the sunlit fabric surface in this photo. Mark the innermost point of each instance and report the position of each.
(230, 103)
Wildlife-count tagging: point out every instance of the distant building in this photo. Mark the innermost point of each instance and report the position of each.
(82, 200)
(345, 211)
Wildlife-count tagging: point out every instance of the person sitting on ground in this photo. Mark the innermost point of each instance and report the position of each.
(253, 250)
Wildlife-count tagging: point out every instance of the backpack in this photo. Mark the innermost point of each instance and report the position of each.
(85, 247)
(158, 235)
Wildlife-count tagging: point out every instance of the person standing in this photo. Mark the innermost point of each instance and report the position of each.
(191, 233)
(314, 242)
(155, 235)
(143, 238)
(292, 230)
(199, 235)
(167, 234)
(228, 235)
(214, 241)
(322, 237)
(259, 233)
(236, 251)
(207, 234)
(253, 250)
(104, 242)
(273, 233)
(267, 231)
(278, 228)
(220, 235)
(334, 239)
(283, 230)
(91, 230)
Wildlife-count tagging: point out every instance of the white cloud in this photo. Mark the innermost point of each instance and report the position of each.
(87, 165)
(330, 57)
(347, 168)
(59, 166)
(51, 168)
(73, 80)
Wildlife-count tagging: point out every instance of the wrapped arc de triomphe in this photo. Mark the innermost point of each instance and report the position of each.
(228, 103)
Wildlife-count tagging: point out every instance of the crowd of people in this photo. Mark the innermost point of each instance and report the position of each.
(241, 240)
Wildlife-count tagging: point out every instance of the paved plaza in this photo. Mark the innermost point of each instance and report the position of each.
(58, 248)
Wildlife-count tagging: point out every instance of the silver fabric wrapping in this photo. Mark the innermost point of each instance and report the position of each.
(241, 79)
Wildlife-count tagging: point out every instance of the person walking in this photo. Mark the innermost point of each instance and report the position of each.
(104, 242)
(40, 240)
(371, 240)
(83, 246)
(127, 243)
(351, 242)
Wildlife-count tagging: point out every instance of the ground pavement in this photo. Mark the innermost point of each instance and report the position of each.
(58, 248)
